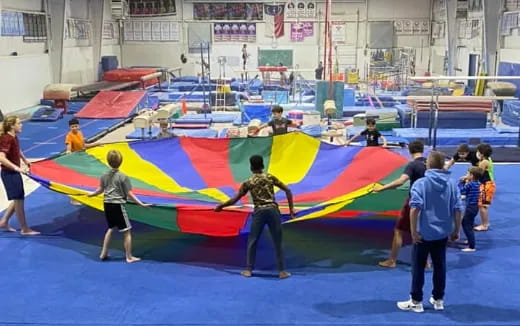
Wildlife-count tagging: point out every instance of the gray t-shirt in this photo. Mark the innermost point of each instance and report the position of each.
(116, 186)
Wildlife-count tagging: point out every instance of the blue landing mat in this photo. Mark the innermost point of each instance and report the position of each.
(215, 118)
(160, 96)
(44, 139)
(453, 137)
(350, 111)
(56, 279)
(405, 115)
(196, 133)
(312, 130)
(511, 113)
(298, 106)
(172, 96)
(354, 130)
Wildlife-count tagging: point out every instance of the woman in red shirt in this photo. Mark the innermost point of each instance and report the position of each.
(10, 157)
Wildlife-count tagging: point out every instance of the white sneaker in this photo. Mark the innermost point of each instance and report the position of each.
(437, 304)
(410, 306)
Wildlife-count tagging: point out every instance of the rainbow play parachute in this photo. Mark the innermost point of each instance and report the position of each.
(186, 177)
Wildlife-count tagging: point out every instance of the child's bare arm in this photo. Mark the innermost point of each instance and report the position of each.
(69, 148)
(5, 161)
(353, 138)
(384, 141)
(24, 159)
(136, 200)
(449, 164)
(241, 193)
(394, 184)
(96, 192)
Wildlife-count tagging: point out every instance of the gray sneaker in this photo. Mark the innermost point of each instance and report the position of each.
(437, 304)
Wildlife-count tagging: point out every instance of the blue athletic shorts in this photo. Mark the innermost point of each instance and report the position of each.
(13, 185)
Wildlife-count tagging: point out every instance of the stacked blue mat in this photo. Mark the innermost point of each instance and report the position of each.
(446, 120)
(350, 111)
(207, 118)
(72, 106)
(405, 115)
(390, 103)
(162, 97)
(253, 86)
(510, 69)
(354, 130)
(452, 137)
(511, 113)
(191, 87)
(298, 106)
(196, 133)
(313, 131)
(252, 111)
(189, 96)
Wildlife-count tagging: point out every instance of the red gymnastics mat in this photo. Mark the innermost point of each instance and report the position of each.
(112, 105)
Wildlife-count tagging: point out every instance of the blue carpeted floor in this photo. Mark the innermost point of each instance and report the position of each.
(184, 279)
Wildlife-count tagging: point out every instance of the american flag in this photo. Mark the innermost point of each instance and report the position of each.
(274, 20)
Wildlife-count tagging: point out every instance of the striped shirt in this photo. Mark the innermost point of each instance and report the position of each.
(472, 192)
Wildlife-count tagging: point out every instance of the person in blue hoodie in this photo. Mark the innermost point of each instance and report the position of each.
(435, 215)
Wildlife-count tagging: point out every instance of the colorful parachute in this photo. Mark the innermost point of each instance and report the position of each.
(186, 177)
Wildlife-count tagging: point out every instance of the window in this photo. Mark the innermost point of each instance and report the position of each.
(35, 26)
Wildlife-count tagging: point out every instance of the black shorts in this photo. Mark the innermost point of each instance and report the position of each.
(117, 217)
(13, 185)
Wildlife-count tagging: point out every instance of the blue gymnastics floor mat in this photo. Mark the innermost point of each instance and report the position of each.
(42, 139)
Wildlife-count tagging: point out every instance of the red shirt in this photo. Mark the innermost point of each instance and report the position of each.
(11, 147)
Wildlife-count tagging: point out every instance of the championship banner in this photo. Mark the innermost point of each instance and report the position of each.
(299, 31)
(228, 11)
(338, 33)
(146, 8)
(234, 32)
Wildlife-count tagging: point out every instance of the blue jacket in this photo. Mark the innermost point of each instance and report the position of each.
(437, 197)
